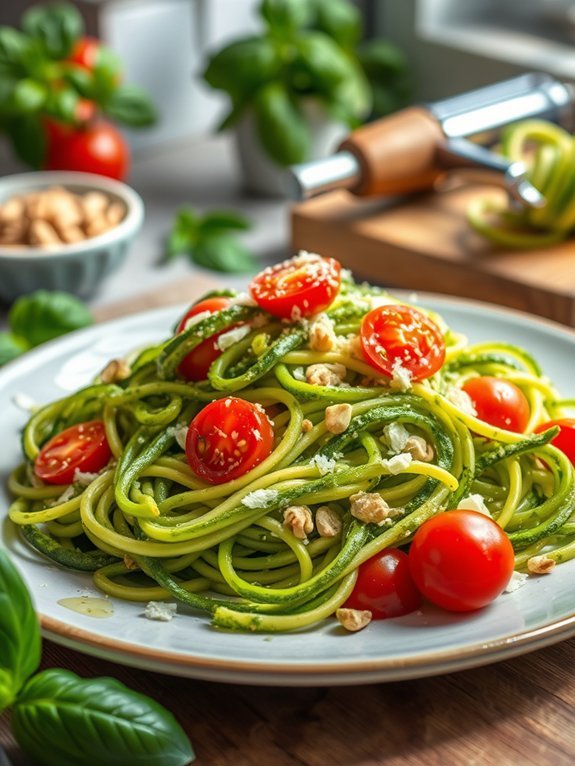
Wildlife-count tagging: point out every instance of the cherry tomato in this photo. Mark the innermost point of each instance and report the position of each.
(227, 439)
(385, 586)
(82, 447)
(461, 560)
(196, 364)
(499, 402)
(565, 439)
(297, 288)
(397, 335)
(97, 147)
(85, 52)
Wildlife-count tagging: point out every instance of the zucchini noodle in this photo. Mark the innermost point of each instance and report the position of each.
(548, 151)
(147, 527)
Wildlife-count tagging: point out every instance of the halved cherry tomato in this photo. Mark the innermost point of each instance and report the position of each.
(196, 364)
(227, 439)
(499, 402)
(85, 52)
(82, 447)
(461, 560)
(385, 586)
(297, 288)
(398, 335)
(565, 439)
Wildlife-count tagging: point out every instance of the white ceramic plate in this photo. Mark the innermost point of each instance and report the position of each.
(427, 643)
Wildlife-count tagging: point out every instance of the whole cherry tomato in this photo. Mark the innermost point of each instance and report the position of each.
(398, 335)
(227, 439)
(97, 147)
(196, 364)
(565, 439)
(499, 402)
(300, 287)
(461, 560)
(82, 447)
(85, 53)
(385, 586)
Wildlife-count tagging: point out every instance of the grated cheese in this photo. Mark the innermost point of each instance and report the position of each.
(260, 498)
(401, 376)
(323, 464)
(231, 337)
(158, 610)
(518, 579)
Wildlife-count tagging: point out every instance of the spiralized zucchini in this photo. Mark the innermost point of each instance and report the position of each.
(548, 151)
(149, 529)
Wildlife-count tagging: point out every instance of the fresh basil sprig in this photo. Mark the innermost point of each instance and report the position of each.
(60, 719)
(210, 241)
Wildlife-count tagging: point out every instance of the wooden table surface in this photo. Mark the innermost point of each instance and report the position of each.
(521, 711)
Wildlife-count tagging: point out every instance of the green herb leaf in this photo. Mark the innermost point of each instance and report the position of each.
(64, 104)
(11, 347)
(131, 106)
(287, 16)
(56, 27)
(324, 64)
(221, 221)
(353, 97)
(60, 719)
(13, 45)
(43, 315)
(105, 76)
(282, 129)
(243, 67)
(19, 633)
(223, 252)
(29, 95)
(27, 137)
(340, 20)
(388, 73)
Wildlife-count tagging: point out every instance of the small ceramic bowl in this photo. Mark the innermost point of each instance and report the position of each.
(76, 268)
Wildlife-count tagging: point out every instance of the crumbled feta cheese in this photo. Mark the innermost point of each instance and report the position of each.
(323, 464)
(322, 335)
(299, 374)
(461, 400)
(325, 374)
(397, 463)
(231, 337)
(518, 579)
(25, 402)
(474, 503)
(180, 435)
(66, 495)
(401, 376)
(83, 478)
(158, 610)
(396, 436)
(260, 498)
(196, 319)
(242, 299)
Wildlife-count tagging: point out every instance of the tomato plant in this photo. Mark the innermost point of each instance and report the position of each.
(499, 402)
(397, 335)
(196, 364)
(227, 439)
(461, 560)
(385, 586)
(300, 287)
(97, 147)
(85, 53)
(82, 447)
(565, 439)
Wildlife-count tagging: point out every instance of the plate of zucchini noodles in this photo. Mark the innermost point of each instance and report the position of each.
(313, 482)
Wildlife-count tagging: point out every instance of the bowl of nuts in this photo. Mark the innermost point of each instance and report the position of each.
(63, 231)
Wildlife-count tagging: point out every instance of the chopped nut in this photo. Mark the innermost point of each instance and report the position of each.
(306, 425)
(353, 619)
(94, 204)
(370, 507)
(43, 233)
(338, 417)
(115, 213)
(299, 519)
(419, 449)
(130, 563)
(322, 335)
(325, 374)
(541, 564)
(12, 210)
(327, 522)
(115, 370)
(97, 226)
(71, 233)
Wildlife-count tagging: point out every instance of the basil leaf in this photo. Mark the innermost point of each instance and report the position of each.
(282, 129)
(60, 719)
(19, 633)
(287, 16)
(13, 45)
(131, 106)
(56, 27)
(44, 315)
(105, 75)
(243, 66)
(322, 60)
(64, 104)
(27, 137)
(354, 95)
(340, 20)
(220, 221)
(11, 347)
(388, 73)
(223, 252)
(29, 95)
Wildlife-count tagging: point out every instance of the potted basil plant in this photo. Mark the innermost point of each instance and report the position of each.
(296, 89)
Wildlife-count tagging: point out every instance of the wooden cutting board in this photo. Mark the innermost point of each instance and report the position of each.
(425, 243)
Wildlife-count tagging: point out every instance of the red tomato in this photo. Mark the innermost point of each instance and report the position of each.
(384, 586)
(85, 52)
(196, 364)
(461, 560)
(97, 147)
(82, 447)
(499, 402)
(297, 288)
(397, 335)
(565, 439)
(227, 439)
